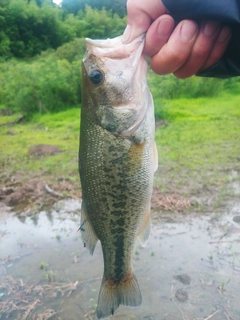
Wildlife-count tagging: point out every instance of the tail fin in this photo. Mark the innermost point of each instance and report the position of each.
(110, 297)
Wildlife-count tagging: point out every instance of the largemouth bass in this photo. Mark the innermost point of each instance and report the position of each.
(117, 160)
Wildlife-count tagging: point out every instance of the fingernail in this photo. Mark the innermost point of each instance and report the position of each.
(210, 28)
(126, 34)
(224, 34)
(165, 27)
(188, 30)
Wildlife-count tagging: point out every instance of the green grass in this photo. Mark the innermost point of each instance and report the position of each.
(198, 148)
(201, 132)
(61, 129)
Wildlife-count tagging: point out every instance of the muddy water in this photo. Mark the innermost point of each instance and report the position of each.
(190, 268)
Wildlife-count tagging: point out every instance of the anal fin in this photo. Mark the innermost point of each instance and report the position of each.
(88, 235)
(145, 228)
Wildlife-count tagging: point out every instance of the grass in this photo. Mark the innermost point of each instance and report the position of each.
(61, 129)
(200, 146)
(201, 132)
(197, 149)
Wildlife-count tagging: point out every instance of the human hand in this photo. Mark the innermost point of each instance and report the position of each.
(183, 50)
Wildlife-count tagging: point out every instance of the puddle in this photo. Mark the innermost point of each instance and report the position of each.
(189, 270)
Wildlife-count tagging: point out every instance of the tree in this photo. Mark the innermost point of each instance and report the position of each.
(40, 2)
(27, 28)
(116, 6)
(100, 24)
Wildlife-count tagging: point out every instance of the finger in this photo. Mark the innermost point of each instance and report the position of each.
(202, 47)
(140, 16)
(219, 48)
(158, 34)
(177, 50)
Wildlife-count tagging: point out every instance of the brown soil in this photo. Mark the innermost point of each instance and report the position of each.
(43, 150)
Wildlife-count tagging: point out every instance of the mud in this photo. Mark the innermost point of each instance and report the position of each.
(40, 150)
(189, 270)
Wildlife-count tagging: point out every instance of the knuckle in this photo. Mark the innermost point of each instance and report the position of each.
(201, 52)
(178, 56)
(132, 6)
(217, 54)
(211, 61)
(183, 73)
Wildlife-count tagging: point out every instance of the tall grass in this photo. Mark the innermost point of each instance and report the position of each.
(167, 88)
(48, 83)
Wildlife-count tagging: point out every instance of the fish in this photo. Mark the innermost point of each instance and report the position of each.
(117, 161)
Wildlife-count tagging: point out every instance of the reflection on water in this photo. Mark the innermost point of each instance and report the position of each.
(189, 269)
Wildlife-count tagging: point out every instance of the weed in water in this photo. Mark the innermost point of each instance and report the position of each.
(50, 275)
(43, 265)
(58, 237)
(210, 256)
(93, 303)
(152, 253)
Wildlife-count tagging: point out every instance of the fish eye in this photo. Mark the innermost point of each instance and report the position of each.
(96, 76)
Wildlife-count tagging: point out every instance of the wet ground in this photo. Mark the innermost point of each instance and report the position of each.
(189, 270)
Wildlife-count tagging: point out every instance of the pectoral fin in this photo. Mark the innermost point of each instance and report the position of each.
(145, 229)
(89, 237)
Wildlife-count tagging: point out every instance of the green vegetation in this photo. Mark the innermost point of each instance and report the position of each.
(201, 131)
(169, 87)
(199, 146)
(116, 6)
(203, 121)
(44, 85)
(29, 27)
(41, 48)
(61, 129)
(51, 41)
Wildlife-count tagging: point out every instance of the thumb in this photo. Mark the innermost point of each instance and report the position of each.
(141, 13)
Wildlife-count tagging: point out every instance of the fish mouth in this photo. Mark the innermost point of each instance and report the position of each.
(109, 43)
(115, 48)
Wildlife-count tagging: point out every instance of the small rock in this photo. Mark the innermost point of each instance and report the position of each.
(10, 133)
(44, 150)
(181, 295)
(236, 219)
(161, 123)
(14, 198)
(5, 191)
(183, 278)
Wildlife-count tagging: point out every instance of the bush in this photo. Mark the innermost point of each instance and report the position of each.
(99, 24)
(232, 85)
(26, 28)
(170, 87)
(45, 85)
(72, 51)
